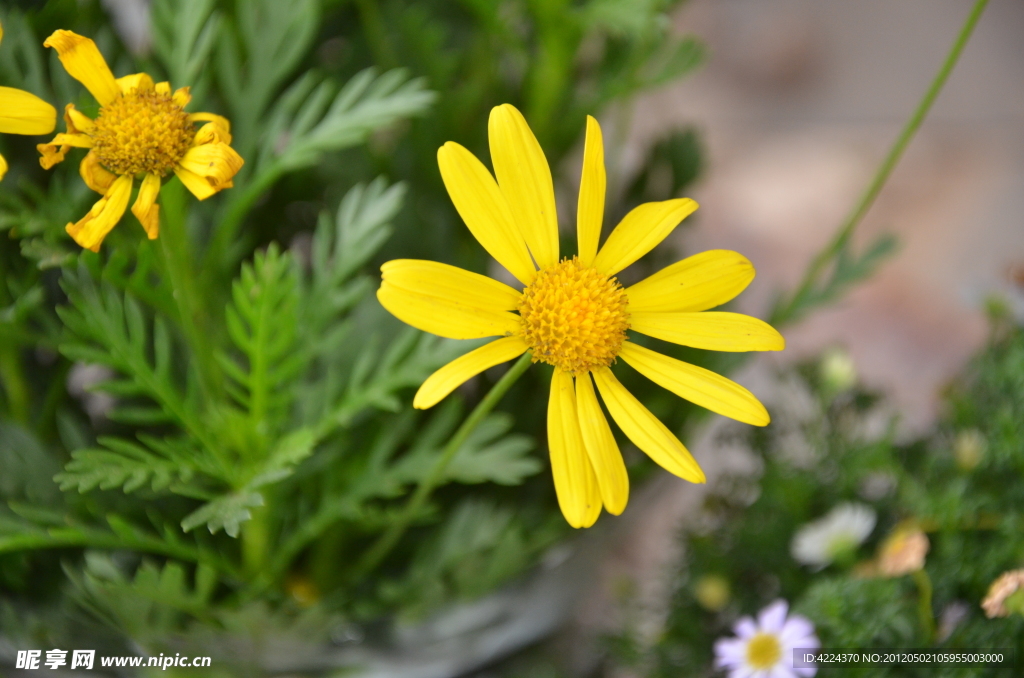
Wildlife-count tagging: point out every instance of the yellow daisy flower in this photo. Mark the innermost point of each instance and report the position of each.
(573, 313)
(23, 113)
(142, 131)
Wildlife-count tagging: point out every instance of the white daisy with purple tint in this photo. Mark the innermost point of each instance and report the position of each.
(764, 648)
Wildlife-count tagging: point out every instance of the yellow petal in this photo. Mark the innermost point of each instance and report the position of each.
(162, 87)
(55, 151)
(525, 180)
(640, 231)
(182, 96)
(712, 330)
(696, 283)
(601, 447)
(459, 371)
(136, 82)
(1, 32)
(90, 231)
(3, 167)
(95, 175)
(25, 113)
(696, 384)
(217, 163)
(446, 317)
(485, 211)
(83, 62)
(217, 129)
(197, 185)
(145, 208)
(576, 485)
(77, 121)
(441, 280)
(645, 430)
(74, 140)
(590, 209)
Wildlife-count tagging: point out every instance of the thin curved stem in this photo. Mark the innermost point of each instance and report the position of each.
(825, 257)
(925, 613)
(387, 541)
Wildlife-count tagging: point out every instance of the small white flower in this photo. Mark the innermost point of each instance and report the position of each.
(764, 649)
(821, 542)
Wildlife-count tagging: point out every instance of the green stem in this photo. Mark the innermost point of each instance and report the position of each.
(787, 311)
(924, 605)
(387, 541)
(376, 34)
(220, 256)
(12, 381)
(256, 541)
(178, 262)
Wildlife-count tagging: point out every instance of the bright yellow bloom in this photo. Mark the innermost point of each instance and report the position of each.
(573, 314)
(142, 131)
(23, 113)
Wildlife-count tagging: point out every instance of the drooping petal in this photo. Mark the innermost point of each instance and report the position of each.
(459, 371)
(55, 151)
(145, 208)
(83, 62)
(94, 174)
(218, 129)
(3, 167)
(712, 330)
(444, 316)
(640, 231)
(576, 485)
(485, 211)
(197, 185)
(601, 448)
(645, 430)
(24, 113)
(136, 82)
(90, 231)
(77, 121)
(590, 209)
(215, 163)
(442, 280)
(696, 384)
(696, 283)
(525, 180)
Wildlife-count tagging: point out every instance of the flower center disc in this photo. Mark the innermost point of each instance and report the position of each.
(142, 131)
(574, 317)
(763, 651)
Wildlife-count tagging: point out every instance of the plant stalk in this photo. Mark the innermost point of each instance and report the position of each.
(789, 310)
(925, 613)
(387, 541)
(178, 261)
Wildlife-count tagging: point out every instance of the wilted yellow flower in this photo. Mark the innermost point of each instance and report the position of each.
(902, 552)
(969, 449)
(712, 592)
(573, 314)
(23, 113)
(142, 131)
(1007, 585)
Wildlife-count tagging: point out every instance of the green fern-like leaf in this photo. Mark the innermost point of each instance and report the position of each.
(224, 513)
(262, 322)
(311, 120)
(122, 463)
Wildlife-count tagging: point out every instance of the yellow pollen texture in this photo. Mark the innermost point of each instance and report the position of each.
(142, 131)
(574, 317)
(763, 651)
